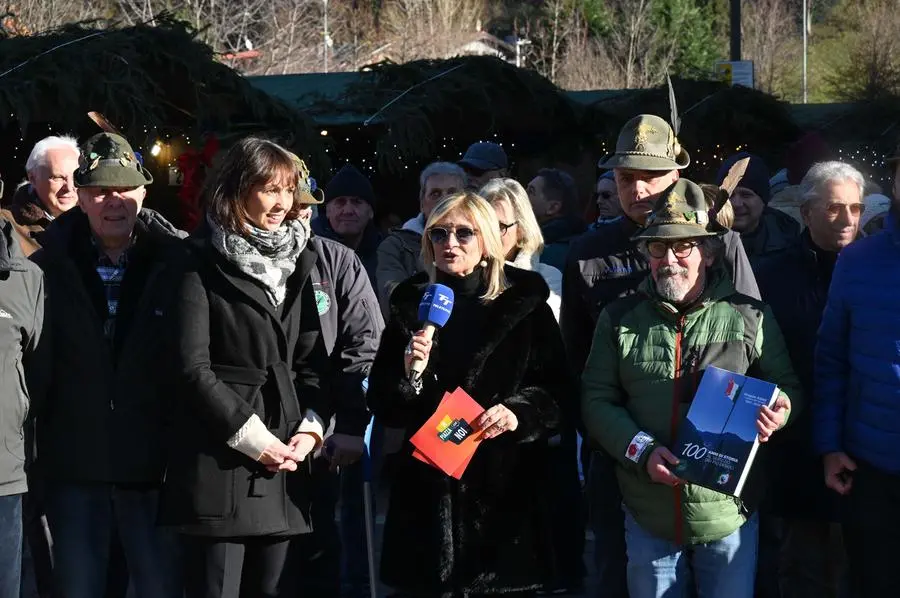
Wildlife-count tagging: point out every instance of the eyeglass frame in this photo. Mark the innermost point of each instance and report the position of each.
(669, 245)
(447, 231)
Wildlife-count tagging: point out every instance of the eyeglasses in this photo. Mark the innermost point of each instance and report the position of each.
(505, 227)
(835, 209)
(440, 235)
(681, 249)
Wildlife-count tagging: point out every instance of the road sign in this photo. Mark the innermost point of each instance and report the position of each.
(736, 72)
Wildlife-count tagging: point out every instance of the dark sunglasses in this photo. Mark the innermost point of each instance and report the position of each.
(440, 235)
(681, 249)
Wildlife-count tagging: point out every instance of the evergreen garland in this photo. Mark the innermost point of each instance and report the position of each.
(143, 78)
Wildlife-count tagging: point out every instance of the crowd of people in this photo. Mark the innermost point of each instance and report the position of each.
(186, 413)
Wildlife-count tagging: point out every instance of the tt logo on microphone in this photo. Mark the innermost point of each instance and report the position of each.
(444, 299)
(427, 297)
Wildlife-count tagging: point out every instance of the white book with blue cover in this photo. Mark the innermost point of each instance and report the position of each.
(718, 439)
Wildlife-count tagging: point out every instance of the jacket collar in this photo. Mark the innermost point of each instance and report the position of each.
(561, 228)
(201, 241)
(73, 226)
(368, 244)
(718, 288)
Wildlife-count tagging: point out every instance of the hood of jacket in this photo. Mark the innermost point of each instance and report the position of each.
(12, 259)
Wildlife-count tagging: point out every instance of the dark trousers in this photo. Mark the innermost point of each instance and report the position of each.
(318, 554)
(813, 560)
(37, 566)
(355, 557)
(238, 568)
(85, 518)
(334, 557)
(871, 529)
(568, 525)
(10, 545)
(607, 521)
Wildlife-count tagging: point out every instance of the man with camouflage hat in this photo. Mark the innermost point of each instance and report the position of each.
(603, 265)
(101, 442)
(687, 317)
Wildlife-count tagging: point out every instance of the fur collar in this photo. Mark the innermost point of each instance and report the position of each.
(527, 291)
(26, 208)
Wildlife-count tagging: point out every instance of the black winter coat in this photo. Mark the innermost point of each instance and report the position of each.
(104, 416)
(238, 355)
(490, 531)
(794, 283)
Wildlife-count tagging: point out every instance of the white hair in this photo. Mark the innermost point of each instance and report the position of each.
(436, 168)
(38, 155)
(823, 173)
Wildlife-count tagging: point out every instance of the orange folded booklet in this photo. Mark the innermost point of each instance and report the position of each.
(447, 440)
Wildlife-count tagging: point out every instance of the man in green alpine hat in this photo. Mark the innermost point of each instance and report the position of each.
(100, 431)
(604, 264)
(649, 350)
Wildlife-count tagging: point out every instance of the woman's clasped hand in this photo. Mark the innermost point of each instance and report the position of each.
(285, 457)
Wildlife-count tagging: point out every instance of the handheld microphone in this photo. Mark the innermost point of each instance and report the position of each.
(434, 311)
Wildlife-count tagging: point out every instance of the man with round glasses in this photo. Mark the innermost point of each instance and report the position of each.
(649, 352)
(603, 265)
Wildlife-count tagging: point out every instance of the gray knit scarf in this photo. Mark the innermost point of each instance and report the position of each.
(269, 257)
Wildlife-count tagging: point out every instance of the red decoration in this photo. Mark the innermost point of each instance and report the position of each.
(632, 450)
(193, 165)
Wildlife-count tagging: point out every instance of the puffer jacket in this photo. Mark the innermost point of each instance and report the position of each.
(857, 381)
(641, 375)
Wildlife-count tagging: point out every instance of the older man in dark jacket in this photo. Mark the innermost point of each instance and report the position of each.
(101, 436)
(351, 324)
(795, 282)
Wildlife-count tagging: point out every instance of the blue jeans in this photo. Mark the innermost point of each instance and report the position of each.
(84, 517)
(658, 568)
(10, 545)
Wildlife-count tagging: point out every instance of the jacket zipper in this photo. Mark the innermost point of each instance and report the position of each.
(673, 423)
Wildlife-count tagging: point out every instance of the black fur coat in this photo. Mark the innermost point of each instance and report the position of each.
(490, 531)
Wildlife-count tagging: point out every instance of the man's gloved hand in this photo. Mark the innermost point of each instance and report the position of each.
(343, 449)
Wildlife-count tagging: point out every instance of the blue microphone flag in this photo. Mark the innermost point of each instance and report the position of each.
(436, 305)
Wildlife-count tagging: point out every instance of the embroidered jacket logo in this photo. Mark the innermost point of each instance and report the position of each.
(5, 314)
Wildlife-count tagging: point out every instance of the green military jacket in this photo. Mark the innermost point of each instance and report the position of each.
(645, 364)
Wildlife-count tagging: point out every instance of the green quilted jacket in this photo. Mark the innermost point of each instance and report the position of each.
(644, 367)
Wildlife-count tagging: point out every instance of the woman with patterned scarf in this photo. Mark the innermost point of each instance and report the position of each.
(248, 362)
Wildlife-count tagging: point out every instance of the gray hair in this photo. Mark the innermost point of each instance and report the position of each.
(822, 173)
(38, 155)
(436, 168)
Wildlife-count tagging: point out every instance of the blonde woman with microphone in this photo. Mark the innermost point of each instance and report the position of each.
(488, 532)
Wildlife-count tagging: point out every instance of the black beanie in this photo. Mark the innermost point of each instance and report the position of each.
(756, 178)
(350, 182)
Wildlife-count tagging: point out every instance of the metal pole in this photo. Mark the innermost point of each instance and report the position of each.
(325, 41)
(367, 507)
(735, 29)
(805, 29)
